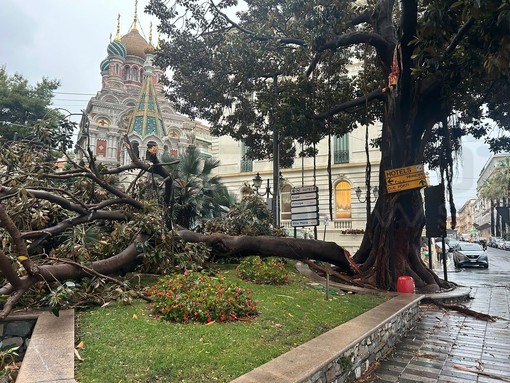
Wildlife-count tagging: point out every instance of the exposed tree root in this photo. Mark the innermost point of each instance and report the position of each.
(462, 309)
(481, 372)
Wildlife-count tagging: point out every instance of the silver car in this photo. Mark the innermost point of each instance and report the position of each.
(470, 254)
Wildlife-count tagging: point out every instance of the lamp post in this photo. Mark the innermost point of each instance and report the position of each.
(368, 197)
(257, 184)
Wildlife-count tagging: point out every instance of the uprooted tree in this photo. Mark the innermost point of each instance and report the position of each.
(431, 72)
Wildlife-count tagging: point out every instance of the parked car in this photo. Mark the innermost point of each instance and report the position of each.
(470, 254)
(494, 241)
(453, 243)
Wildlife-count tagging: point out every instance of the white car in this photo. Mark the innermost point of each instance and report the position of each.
(470, 254)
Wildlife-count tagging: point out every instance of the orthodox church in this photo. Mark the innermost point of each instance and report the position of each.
(132, 101)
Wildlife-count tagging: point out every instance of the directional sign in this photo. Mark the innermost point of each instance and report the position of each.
(405, 178)
(297, 197)
(304, 206)
(304, 189)
(304, 209)
(406, 186)
(305, 222)
(303, 202)
(312, 215)
(402, 171)
(409, 177)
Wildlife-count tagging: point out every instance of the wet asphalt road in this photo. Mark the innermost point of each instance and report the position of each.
(497, 275)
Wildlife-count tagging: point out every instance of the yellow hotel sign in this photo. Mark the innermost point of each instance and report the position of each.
(409, 177)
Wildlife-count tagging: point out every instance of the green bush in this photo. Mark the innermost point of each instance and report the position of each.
(195, 297)
(269, 271)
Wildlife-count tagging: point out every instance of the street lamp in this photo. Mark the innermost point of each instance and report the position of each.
(257, 184)
(375, 192)
(275, 205)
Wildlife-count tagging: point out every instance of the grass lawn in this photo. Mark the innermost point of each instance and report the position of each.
(123, 343)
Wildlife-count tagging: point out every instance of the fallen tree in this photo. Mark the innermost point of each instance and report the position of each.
(422, 88)
(429, 73)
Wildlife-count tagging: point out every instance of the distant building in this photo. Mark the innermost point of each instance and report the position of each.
(486, 219)
(348, 171)
(131, 101)
(465, 221)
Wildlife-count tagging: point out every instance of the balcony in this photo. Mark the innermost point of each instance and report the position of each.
(341, 156)
(246, 166)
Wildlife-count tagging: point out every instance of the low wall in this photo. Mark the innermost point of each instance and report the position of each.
(346, 352)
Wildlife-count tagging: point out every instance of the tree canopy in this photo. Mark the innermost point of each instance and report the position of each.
(22, 105)
(429, 72)
(311, 68)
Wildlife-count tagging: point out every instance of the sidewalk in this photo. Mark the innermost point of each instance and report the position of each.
(452, 347)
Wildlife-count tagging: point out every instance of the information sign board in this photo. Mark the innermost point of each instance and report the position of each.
(304, 206)
(409, 177)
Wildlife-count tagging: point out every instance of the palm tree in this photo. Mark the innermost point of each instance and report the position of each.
(490, 190)
(495, 189)
(198, 194)
(502, 174)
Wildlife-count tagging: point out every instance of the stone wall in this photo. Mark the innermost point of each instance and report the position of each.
(16, 333)
(353, 362)
(343, 354)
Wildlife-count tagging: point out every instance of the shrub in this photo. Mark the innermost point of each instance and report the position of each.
(269, 271)
(195, 297)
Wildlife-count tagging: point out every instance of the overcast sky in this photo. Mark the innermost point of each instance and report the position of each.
(67, 40)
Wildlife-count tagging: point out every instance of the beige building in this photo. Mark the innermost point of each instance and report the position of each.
(483, 210)
(465, 221)
(348, 173)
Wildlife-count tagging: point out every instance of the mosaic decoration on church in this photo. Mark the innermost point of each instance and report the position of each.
(138, 126)
(142, 102)
(104, 122)
(151, 102)
(151, 125)
(101, 148)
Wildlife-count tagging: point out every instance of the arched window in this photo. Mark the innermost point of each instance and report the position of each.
(285, 202)
(127, 73)
(117, 69)
(135, 74)
(141, 74)
(343, 200)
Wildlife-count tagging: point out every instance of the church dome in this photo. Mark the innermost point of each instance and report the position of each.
(135, 44)
(149, 50)
(116, 48)
(105, 65)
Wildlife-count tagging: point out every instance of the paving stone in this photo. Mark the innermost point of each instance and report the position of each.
(441, 341)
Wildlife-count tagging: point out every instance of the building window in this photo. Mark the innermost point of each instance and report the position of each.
(341, 150)
(135, 74)
(285, 202)
(246, 165)
(343, 199)
(127, 73)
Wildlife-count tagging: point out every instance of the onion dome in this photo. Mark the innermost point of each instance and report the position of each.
(105, 65)
(135, 44)
(116, 48)
(149, 50)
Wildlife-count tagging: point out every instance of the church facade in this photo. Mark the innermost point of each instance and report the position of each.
(131, 102)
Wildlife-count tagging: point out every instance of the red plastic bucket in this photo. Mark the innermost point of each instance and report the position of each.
(405, 284)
